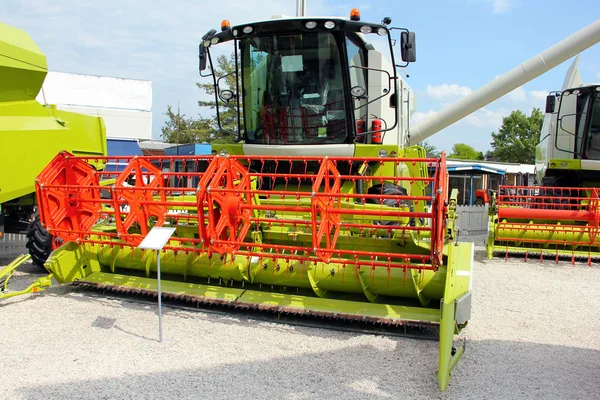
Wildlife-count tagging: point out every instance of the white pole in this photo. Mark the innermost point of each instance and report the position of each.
(300, 8)
(159, 299)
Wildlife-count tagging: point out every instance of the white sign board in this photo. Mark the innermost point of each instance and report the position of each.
(157, 238)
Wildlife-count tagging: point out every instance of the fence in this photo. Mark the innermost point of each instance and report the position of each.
(473, 220)
(12, 245)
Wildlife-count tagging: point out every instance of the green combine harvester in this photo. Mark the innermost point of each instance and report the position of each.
(31, 136)
(561, 218)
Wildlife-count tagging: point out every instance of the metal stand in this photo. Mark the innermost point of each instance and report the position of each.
(160, 335)
(156, 240)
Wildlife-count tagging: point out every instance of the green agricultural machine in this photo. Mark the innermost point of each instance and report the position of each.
(31, 135)
(321, 208)
(561, 217)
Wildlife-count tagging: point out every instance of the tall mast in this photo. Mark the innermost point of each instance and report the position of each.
(300, 8)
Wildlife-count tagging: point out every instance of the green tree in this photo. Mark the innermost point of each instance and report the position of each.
(517, 137)
(225, 67)
(429, 148)
(463, 151)
(182, 129)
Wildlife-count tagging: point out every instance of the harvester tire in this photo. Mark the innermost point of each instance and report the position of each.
(388, 189)
(39, 242)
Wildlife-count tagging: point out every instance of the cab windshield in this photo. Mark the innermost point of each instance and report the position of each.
(293, 90)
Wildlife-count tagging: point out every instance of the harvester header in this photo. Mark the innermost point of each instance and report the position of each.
(346, 238)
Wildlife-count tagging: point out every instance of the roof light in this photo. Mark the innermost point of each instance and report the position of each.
(381, 31)
(310, 25)
(214, 40)
(355, 14)
(235, 32)
(225, 25)
(329, 24)
(366, 29)
(247, 29)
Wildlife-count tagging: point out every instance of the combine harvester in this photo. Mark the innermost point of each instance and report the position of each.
(562, 217)
(320, 210)
(32, 135)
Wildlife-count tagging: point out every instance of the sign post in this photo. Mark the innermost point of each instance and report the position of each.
(156, 240)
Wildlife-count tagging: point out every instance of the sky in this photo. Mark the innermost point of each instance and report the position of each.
(461, 45)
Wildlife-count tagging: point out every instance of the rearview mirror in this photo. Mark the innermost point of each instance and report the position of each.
(408, 47)
(550, 104)
(203, 50)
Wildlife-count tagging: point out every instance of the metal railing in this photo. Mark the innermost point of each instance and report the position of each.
(12, 244)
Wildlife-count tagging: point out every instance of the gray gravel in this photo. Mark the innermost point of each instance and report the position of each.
(534, 334)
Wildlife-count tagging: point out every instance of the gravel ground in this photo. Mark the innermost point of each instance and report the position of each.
(533, 334)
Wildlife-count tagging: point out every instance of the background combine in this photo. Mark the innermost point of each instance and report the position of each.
(32, 135)
(562, 217)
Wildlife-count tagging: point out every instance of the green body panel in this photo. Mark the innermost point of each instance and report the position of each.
(260, 298)
(31, 134)
(564, 164)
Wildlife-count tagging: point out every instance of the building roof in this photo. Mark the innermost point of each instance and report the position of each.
(155, 145)
(68, 89)
(490, 167)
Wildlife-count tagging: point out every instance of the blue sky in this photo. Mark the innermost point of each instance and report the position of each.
(461, 45)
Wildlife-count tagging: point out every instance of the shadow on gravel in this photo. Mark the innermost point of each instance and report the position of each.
(490, 369)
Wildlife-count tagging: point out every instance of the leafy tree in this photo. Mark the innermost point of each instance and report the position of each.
(429, 148)
(182, 129)
(463, 151)
(517, 137)
(225, 67)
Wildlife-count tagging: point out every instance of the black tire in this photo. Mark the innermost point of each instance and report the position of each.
(39, 242)
(388, 189)
(479, 201)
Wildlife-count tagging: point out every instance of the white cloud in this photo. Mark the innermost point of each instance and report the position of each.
(485, 118)
(517, 95)
(445, 91)
(88, 41)
(421, 116)
(538, 95)
(501, 6)
(137, 39)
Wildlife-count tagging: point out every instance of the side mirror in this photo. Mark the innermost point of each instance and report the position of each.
(226, 95)
(203, 50)
(550, 104)
(408, 47)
